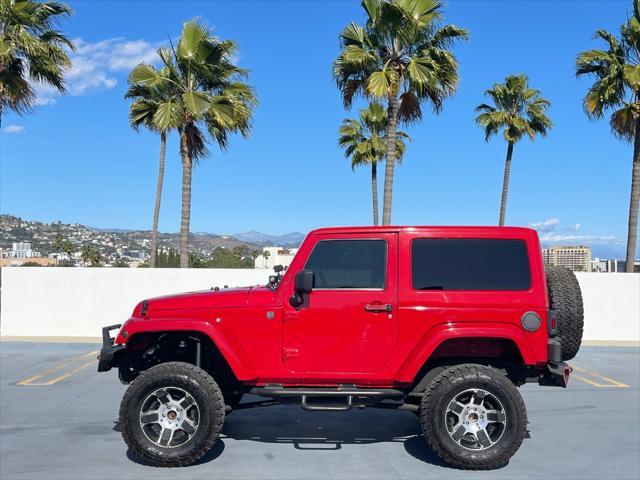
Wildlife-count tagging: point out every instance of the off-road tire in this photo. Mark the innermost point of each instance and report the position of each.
(204, 390)
(439, 393)
(565, 298)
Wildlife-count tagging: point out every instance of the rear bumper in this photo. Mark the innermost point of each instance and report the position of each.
(108, 350)
(555, 375)
(557, 372)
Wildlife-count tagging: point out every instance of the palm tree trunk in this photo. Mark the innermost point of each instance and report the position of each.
(374, 191)
(1, 102)
(632, 234)
(186, 201)
(156, 210)
(505, 184)
(391, 158)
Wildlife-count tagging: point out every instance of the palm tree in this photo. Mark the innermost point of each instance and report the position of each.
(91, 256)
(31, 50)
(365, 143)
(403, 55)
(617, 87)
(146, 100)
(67, 248)
(519, 111)
(85, 254)
(207, 94)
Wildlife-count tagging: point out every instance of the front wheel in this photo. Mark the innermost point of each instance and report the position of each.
(172, 414)
(473, 417)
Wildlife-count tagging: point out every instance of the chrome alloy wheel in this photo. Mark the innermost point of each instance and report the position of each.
(475, 419)
(169, 417)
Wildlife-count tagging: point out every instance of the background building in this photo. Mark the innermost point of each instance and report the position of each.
(612, 266)
(271, 256)
(601, 265)
(22, 250)
(576, 258)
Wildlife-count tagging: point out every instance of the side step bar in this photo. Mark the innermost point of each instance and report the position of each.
(347, 392)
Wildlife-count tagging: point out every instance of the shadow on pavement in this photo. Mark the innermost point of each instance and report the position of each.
(211, 455)
(329, 431)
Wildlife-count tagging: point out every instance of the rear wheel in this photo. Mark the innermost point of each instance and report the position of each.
(473, 417)
(566, 299)
(172, 414)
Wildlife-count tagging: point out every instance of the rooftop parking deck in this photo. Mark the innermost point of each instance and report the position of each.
(58, 420)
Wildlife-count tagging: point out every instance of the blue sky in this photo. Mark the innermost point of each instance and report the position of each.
(75, 159)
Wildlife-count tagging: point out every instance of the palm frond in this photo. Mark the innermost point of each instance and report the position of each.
(31, 49)
(400, 50)
(364, 139)
(615, 72)
(382, 83)
(517, 110)
(353, 34)
(624, 120)
(447, 36)
(410, 110)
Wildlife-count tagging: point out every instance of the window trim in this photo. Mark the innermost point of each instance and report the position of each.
(356, 289)
(475, 290)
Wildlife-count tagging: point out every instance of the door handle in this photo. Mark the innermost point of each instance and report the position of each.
(378, 307)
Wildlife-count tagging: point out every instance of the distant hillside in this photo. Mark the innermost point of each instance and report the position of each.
(107, 240)
(293, 239)
(111, 242)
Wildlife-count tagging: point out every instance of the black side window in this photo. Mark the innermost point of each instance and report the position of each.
(349, 263)
(469, 264)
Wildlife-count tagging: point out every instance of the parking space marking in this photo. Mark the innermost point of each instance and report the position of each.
(63, 376)
(611, 382)
(72, 363)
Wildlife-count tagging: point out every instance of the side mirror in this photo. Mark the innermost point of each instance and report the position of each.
(278, 268)
(303, 281)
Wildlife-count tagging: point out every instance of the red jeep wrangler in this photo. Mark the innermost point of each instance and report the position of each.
(443, 321)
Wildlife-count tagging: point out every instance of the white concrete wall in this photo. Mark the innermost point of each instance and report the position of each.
(611, 305)
(79, 301)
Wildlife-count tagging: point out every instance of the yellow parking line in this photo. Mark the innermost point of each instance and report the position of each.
(28, 381)
(63, 376)
(612, 383)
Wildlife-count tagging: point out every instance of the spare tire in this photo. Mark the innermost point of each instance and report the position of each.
(565, 298)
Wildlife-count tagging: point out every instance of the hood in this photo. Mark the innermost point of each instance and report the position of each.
(228, 297)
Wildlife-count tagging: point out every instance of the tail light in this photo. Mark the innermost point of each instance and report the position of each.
(553, 323)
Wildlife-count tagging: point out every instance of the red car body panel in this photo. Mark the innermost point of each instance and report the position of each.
(334, 340)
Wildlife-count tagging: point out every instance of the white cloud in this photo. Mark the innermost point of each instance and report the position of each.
(9, 129)
(44, 100)
(97, 66)
(549, 237)
(45, 94)
(556, 239)
(546, 226)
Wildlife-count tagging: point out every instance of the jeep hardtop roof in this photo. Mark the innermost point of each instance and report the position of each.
(480, 230)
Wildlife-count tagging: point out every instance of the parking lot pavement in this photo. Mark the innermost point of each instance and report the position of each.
(60, 423)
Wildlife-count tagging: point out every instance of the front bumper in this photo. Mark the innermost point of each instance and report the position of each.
(108, 350)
